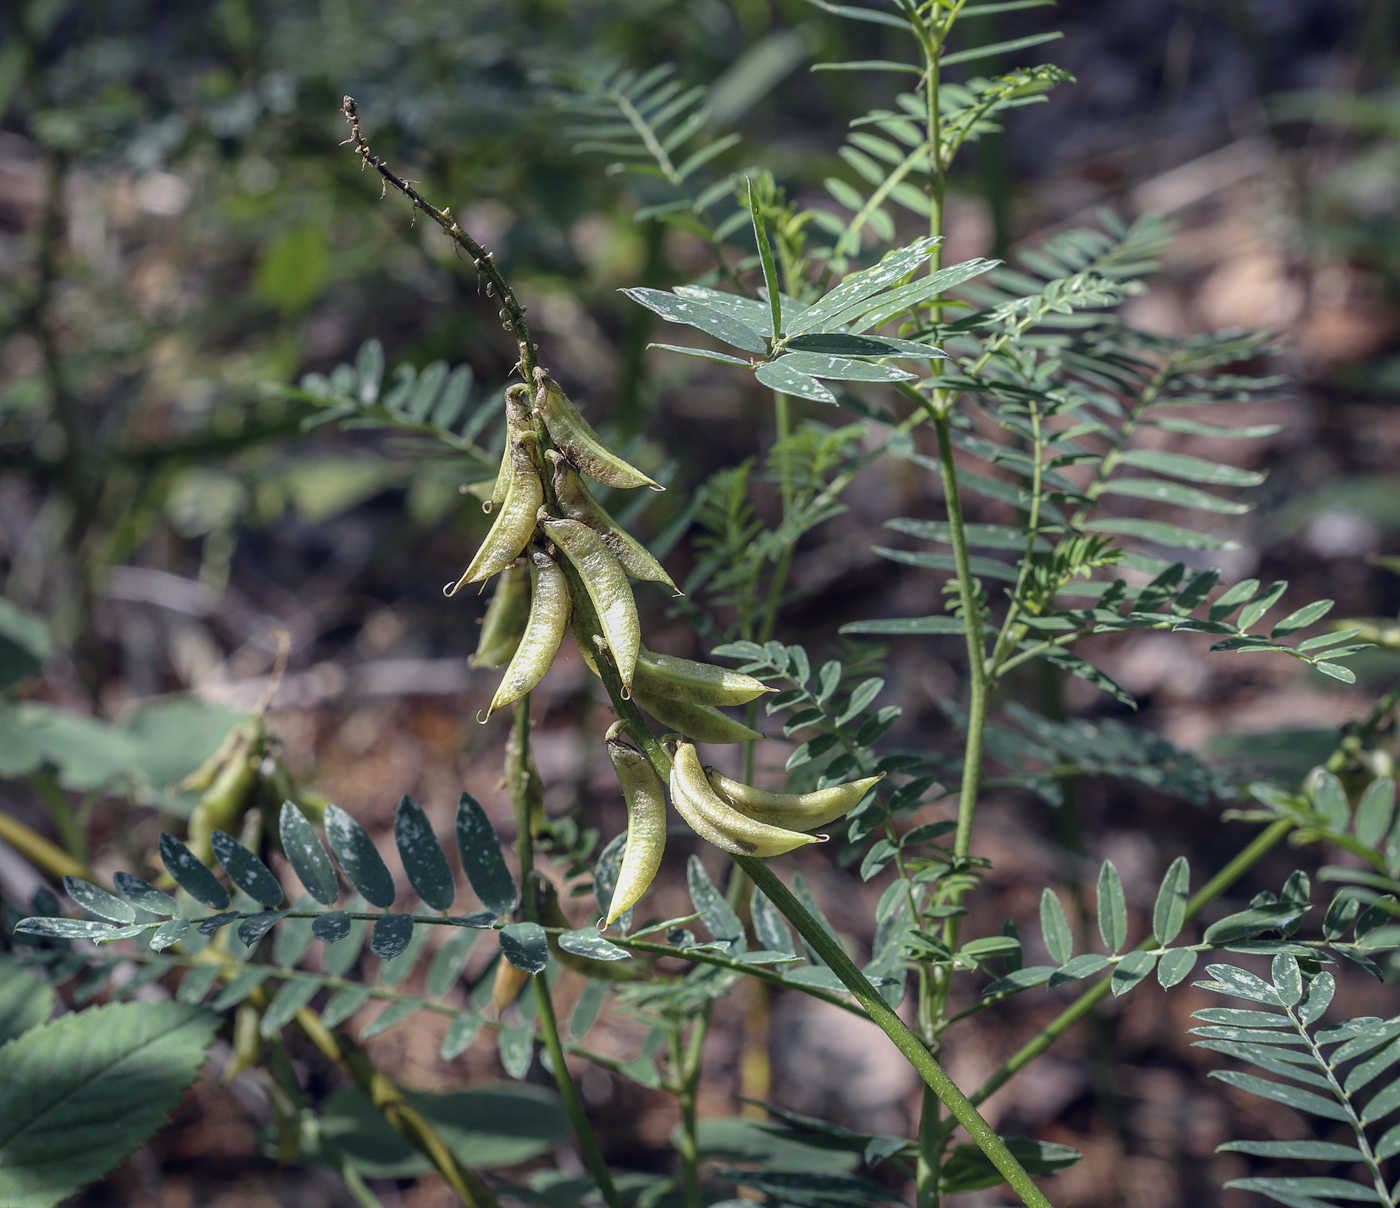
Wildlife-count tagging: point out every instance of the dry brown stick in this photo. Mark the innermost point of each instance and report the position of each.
(512, 312)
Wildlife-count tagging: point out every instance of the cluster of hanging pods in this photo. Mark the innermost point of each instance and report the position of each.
(535, 527)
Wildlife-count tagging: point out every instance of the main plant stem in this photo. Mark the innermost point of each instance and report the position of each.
(549, 1023)
(914, 1050)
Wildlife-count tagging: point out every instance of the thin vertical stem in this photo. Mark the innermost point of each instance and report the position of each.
(549, 1023)
(924, 1063)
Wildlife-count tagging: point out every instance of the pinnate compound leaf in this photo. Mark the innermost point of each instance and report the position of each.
(291, 996)
(391, 935)
(192, 874)
(1282, 1092)
(783, 378)
(79, 1094)
(359, 858)
(1315, 1151)
(1113, 908)
(587, 942)
(482, 861)
(145, 895)
(717, 915)
(245, 870)
(969, 1169)
(98, 901)
(1132, 969)
(1175, 967)
(526, 946)
(1059, 937)
(255, 926)
(1169, 911)
(1374, 811)
(1085, 965)
(712, 317)
(516, 1046)
(332, 926)
(308, 857)
(423, 857)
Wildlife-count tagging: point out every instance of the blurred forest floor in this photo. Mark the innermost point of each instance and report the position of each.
(1284, 224)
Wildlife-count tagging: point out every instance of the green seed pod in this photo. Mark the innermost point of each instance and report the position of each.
(515, 522)
(694, 683)
(797, 811)
(550, 609)
(576, 502)
(645, 796)
(718, 822)
(518, 421)
(700, 723)
(607, 587)
(505, 618)
(224, 803)
(583, 446)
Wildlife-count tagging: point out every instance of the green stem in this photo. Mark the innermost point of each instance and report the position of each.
(549, 1024)
(895, 1028)
(61, 812)
(1263, 843)
(686, 1087)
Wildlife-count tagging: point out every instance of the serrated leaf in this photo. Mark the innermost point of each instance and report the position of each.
(26, 1001)
(1054, 925)
(98, 901)
(245, 870)
(482, 861)
(423, 859)
(192, 874)
(1112, 908)
(308, 858)
(360, 859)
(526, 946)
(79, 1094)
(1169, 910)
